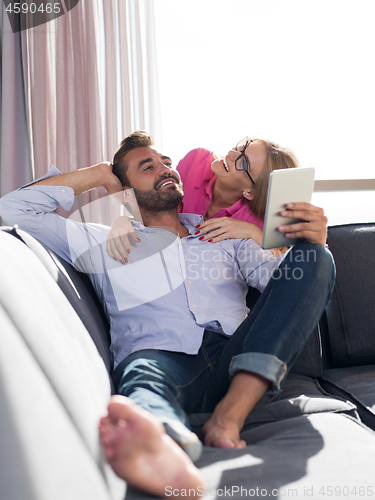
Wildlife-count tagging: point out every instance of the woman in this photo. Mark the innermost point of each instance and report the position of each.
(230, 193)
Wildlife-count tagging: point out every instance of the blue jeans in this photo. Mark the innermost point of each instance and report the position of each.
(171, 384)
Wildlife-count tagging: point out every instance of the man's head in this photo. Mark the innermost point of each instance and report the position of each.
(138, 139)
(139, 165)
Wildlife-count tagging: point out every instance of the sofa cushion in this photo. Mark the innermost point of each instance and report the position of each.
(351, 322)
(78, 290)
(54, 334)
(54, 385)
(301, 395)
(294, 458)
(42, 455)
(356, 384)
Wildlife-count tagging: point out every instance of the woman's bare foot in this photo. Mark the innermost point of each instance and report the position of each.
(140, 452)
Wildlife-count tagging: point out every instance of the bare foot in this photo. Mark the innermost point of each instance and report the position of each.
(222, 433)
(222, 430)
(140, 452)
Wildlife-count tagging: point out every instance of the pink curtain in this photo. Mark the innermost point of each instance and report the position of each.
(15, 148)
(89, 80)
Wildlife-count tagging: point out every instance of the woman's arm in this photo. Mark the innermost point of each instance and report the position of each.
(222, 228)
(118, 245)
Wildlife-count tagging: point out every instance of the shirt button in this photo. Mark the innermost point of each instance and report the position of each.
(189, 282)
(194, 306)
(186, 260)
(63, 191)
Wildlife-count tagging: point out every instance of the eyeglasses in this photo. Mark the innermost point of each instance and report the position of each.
(243, 163)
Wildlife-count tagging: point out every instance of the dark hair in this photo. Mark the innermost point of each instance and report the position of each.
(138, 139)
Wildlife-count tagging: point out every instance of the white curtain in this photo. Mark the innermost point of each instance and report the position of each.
(90, 79)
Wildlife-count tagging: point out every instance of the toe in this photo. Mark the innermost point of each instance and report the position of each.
(241, 444)
(223, 443)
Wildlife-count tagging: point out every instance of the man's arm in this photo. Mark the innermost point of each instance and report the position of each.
(32, 209)
(86, 179)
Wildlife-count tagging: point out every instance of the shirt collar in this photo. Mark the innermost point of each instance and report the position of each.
(210, 186)
(188, 220)
(241, 203)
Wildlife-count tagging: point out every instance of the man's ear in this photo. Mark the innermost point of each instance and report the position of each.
(248, 194)
(127, 194)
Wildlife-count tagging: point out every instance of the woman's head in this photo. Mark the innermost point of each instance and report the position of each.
(234, 177)
(276, 157)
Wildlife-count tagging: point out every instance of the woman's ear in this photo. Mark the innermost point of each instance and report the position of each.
(248, 194)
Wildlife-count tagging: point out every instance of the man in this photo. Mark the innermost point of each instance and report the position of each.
(181, 338)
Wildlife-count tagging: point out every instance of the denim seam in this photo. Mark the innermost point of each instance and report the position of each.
(207, 358)
(264, 305)
(193, 379)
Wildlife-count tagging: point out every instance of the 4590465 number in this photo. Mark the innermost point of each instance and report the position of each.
(32, 8)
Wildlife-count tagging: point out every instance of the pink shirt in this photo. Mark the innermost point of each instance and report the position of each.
(198, 179)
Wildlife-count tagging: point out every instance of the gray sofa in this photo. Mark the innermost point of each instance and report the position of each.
(317, 440)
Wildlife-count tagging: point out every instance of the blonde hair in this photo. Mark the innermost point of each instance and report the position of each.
(277, 157)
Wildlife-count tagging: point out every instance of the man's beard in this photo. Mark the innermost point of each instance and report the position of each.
(157, 201)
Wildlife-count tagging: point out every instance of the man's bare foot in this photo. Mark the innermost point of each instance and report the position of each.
(222, 433)
(222, 430)
(140, 452)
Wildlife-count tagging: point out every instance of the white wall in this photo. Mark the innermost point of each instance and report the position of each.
(299, 72)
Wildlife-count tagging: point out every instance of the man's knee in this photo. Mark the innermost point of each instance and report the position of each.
(317, 261)
(324, 263)
(145, 370)
(308, 261)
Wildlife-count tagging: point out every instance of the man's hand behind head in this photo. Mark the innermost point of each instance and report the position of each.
(110, 181)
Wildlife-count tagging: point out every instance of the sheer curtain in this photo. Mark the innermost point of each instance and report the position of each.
(15, 157)
(90, 79)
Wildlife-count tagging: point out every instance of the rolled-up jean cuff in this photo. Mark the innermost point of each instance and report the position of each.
(267, 365)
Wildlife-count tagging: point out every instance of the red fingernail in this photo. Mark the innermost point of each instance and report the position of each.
(198, 225)
(128, 250)
(197, 232)
(201, 238)
(210, 241)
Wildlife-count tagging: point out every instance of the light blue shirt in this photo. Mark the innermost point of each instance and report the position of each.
(171, 290)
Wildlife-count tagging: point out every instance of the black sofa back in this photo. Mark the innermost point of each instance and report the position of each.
(350, 313)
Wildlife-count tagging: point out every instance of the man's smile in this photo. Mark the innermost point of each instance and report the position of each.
(167, 182)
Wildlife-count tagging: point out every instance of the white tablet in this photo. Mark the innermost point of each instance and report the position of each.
(290, 185)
